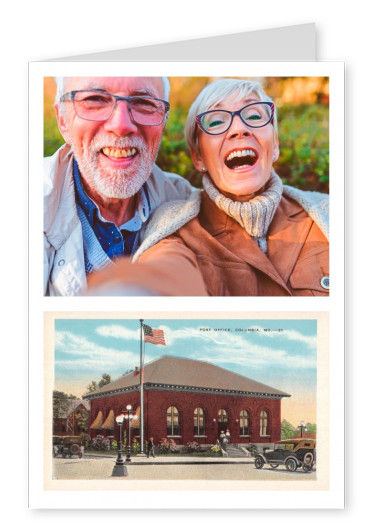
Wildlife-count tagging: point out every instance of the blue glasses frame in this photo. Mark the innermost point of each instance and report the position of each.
(236, 113)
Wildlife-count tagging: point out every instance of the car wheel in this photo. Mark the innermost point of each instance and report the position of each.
(291, 465)
(75, 449)
(308, 459)
(259, 462)
(274, 465)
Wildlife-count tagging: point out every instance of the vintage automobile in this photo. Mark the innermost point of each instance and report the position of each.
(67, 446)
(293, 453)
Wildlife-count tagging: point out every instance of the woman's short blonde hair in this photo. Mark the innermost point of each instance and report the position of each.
(216, 92)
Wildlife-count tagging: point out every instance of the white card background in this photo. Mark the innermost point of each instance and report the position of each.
(35, 32)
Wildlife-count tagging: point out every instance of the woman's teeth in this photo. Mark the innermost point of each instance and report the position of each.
(119, 153)
(241, 158)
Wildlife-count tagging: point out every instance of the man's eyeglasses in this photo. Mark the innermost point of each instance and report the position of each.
(253, 115)
(98, 106)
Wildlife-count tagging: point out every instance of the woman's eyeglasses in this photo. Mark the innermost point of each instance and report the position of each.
(254, 115)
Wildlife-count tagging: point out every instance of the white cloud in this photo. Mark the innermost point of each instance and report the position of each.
(76, 345)
(117, 332)
(292, 335)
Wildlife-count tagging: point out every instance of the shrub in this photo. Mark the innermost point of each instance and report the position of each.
(101, 443)
(167, 445)
(86, 440)
(136, 447)
(215, 450)
(191, 447)
(114, 445)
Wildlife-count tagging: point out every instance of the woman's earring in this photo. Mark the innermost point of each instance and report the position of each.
(273, 158)
(203, 168)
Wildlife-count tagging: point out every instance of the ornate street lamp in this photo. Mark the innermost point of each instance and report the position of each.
(120, 469)
(131, 416)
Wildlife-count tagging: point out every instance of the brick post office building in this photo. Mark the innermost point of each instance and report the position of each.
(188, 400)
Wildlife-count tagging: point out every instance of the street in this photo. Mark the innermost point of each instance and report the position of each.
(166, 468)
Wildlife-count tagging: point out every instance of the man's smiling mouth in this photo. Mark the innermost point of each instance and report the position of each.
(119, 153)
(241, 158)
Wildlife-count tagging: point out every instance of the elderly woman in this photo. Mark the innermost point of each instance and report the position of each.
(247, 234)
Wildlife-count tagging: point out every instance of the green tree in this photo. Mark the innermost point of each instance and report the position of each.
(106, 379)
(288, 431)
(82, 420)
(94, 386)
(311, 428)
(61, 403)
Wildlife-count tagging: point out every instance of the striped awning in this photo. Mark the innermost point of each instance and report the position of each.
(109, 423)
(136, 423)
(97, 424)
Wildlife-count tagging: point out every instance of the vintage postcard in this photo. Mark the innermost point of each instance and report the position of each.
(202, 402)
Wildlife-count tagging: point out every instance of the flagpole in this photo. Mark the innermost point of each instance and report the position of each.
(141, 394)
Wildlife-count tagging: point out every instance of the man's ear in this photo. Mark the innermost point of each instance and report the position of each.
(197, 160)
(62, 125)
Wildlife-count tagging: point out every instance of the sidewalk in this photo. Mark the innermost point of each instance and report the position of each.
(179, 459)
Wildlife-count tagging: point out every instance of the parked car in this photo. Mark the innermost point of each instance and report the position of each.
(67, 446)
(293, 453)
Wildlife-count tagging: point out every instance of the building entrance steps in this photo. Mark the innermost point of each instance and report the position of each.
(234, 452)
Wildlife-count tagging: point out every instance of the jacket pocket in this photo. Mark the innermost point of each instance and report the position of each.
(311, 274)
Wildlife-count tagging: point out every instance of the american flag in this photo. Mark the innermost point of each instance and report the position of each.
(154, 336)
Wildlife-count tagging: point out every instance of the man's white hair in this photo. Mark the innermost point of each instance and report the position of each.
(213, 94)
(60, 85)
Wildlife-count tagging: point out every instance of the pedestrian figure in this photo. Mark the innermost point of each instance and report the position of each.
(150, 448)
(222, 438)
(228, 436)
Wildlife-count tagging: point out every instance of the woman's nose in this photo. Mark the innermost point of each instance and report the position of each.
(120, 121)
(238, 128)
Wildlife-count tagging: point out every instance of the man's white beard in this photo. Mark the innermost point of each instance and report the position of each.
(115, 183)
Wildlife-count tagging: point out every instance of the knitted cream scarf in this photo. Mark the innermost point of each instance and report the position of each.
(255, 215)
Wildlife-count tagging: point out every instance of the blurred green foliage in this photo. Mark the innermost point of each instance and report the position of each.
(303, 141)
(304, 146)
(52, 137)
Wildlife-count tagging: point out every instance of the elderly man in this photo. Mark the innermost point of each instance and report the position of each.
(102, 186)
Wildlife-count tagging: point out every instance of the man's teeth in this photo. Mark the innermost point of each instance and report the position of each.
(241, 153)
(119, 153)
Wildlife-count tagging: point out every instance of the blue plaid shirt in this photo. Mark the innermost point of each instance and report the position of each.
(115, 241)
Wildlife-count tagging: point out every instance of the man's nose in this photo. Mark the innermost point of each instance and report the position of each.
(238, 128)
(120, 121)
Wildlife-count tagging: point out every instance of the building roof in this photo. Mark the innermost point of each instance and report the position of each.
(182, 374)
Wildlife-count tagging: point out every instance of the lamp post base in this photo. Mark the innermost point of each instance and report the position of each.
(119, 471)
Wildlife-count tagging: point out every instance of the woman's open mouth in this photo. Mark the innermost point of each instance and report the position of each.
(241, 158)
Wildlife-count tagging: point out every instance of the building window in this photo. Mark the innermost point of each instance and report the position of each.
(263, 423)
(199, 421)
(244, 422)
(222, 416)
(173, 423)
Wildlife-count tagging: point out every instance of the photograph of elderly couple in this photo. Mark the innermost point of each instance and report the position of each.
(186, 186)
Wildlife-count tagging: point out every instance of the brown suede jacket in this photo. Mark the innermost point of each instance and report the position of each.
(213, 255)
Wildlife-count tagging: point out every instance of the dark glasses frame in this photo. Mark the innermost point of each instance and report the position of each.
(236, 113)
(72, 94)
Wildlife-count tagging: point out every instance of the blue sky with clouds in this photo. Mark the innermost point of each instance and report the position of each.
(279, 353)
